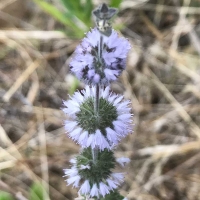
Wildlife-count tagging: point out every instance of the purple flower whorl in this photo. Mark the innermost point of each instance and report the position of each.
(94, 180)
(87, 65)
(102, 130)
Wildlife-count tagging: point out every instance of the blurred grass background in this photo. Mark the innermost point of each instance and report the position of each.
(162, 79)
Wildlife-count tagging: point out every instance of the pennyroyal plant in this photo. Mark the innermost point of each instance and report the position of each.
(98, 118)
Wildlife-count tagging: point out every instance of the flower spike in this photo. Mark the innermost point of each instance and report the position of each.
(92, 69)
(97, 118)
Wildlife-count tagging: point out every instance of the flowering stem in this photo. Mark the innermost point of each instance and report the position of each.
(96, 101)
(99, 119)
(100, 48)
(96, 110)
(95, 152)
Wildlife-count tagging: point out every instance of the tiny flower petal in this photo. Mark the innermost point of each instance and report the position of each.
(125, 117)
(85, 188)
(75, 133)
(71, 172)
(100, 140)
(90, 141)
(72, 107)
(75, 180)
(119, 128)
(111, 184)
(118, 176)
(84, 167)
(82, 140)
(70, 125)
(111, 74)
(103, 189)
(123, 107)
(112, 97)
(117, 100)
(72, 161)
(78, 97)
(95, 191)
(87, 92)
(96, 78)
(105, 93)
(112, 135)
(122, 161)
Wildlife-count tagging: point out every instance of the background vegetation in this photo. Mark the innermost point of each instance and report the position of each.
(162, 79)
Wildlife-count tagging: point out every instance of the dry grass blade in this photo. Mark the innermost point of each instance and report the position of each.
(4, 140)
(4, 3)
(160, 8)
(160, 179)
(24, 76)
(179, 62)
(186, 117)
(160, 151)
(43, 156)
(34, 89)
(7, 164)
(28, 35)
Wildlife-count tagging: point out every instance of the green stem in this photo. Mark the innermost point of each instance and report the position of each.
(96, 99)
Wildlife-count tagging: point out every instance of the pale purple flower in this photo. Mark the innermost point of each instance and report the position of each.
(72, 161)
(84, 167)
(101, 137)
(92, 68)
(122, 161)
(70, 125)
(94, 191)
(85, 188)
(118, 177)
(103, 189)
(112, 184)
(97, 139)
(75, 180)
(71, 172)
(75, 134)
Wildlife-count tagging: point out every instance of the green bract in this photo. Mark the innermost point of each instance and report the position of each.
(90, 121)
(113, 196)
(99, 170)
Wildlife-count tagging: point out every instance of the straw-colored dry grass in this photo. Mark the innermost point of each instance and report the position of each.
(162, 79)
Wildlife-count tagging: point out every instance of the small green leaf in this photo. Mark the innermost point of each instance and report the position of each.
(64, 18)
(5, 196)
(88, 11)
(36, 192)
(75, 8)
(72, 5)
(53, 11)
(115, 3)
